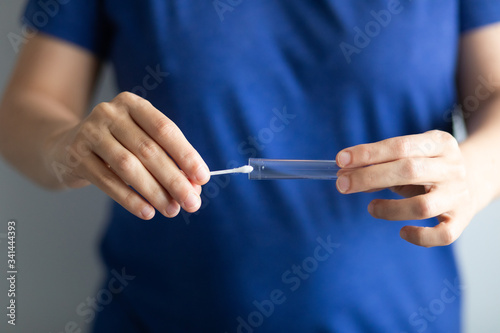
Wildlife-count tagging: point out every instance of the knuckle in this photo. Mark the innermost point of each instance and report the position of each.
(424, 208)
(402, 147)
(190, 158)
(411, 169)
(105, 110)
(447, 235)
(363, 154)
(164, 127)
(126, 97)
(148, 149)
(88, 136)
(129, 199)
(435, 133)
(178, 186)
(86, 127)
(141, 102)
(446, 138)
(125, 163)
(131, 99)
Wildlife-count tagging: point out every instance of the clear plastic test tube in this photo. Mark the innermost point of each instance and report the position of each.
(292, 169)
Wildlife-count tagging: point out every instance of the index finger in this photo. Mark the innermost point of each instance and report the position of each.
(166, 133)
(428, 144)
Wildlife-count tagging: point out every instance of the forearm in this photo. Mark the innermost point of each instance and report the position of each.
(481, 151)
(28, 122)
(47, 95)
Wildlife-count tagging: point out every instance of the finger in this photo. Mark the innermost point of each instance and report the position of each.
(410, 171)
(420, 207)
(169, 136)
(409, 191)
(95, 170)
(158, 163)
(429, 144)
(197, 188)
(133, 172)
(442, 234)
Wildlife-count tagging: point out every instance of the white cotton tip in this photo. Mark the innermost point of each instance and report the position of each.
(246, 169)
(243, 169)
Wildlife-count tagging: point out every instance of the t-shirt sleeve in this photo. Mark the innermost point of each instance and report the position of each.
(81, 22)
(477, 13)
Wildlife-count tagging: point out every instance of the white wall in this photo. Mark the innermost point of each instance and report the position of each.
(479, 259)
(58, 234)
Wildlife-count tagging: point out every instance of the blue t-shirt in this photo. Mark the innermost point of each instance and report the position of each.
(276, 79)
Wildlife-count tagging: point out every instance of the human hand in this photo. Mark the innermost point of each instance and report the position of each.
(129, 142)
(427, 169)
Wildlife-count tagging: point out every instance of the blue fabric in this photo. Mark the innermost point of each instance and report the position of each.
(474, 14)
(279, 79)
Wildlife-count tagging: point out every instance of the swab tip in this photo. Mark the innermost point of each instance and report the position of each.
(243, 169)
(246, 169)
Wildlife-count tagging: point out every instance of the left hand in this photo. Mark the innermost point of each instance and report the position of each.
(427, 169)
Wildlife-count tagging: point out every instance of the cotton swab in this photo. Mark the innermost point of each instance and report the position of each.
(243, 169)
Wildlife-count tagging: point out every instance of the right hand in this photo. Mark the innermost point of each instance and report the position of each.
(129, 142)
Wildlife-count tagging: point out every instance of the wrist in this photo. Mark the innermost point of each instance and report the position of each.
(481, 177)
(55, 157)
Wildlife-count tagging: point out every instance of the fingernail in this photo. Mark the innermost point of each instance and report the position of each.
(172, 209)
(343, 184)
(370, 208)
(403, 234)
(192, 201)
(202, 174)
(147, 211)
(344, 158)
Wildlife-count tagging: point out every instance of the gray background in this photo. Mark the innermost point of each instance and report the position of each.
(58, 235)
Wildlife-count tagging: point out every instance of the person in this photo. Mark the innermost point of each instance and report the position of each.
(208, 84)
